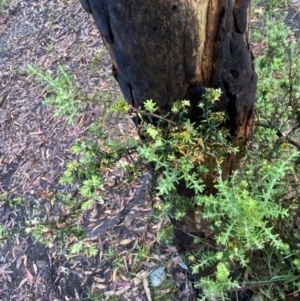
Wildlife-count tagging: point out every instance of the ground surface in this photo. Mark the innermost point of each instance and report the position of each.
(34, 148)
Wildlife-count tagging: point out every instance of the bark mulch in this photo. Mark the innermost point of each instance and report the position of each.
(34, 149)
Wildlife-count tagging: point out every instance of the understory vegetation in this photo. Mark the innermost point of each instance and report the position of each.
(4, 4)
(253, 217)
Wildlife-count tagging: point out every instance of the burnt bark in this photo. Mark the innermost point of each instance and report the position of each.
(168, 50)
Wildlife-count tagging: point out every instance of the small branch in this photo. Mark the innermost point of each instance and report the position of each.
(137, 111)
(82, 98)
(284, 134)
(162, 118)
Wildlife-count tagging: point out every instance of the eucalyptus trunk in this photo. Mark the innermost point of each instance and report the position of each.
(168, 50)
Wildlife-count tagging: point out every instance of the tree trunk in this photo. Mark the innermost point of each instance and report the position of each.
(168, 50)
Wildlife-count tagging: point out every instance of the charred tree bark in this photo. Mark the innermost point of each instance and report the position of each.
(169, 50)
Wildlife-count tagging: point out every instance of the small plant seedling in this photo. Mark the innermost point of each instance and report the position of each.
(63, 94)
